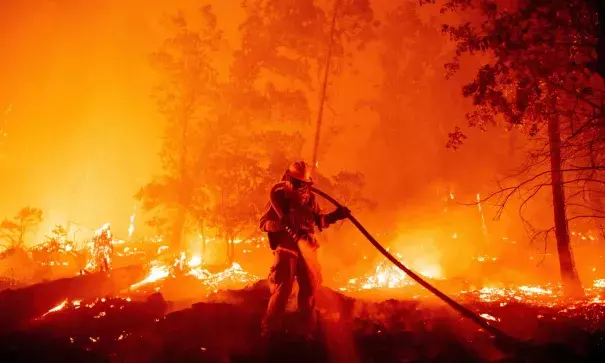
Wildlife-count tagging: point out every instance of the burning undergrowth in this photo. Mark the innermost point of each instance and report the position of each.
(188, 277)
(547, 300)
(226, 327)
(135, 324)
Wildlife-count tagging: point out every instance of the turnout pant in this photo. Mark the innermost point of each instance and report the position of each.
(287, 266)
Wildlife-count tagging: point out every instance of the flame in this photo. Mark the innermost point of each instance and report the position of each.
(386, 275)
(157, 273)
(195, 261)
(531, 290)
(549, 295)
(56, 308)
(193, 266)
(131, 226)
(383, 276)
(78, 304)
(234, 274)
(105, 229)
(483, 226)
(489, 317)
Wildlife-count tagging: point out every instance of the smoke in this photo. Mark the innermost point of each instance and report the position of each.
(84, 133)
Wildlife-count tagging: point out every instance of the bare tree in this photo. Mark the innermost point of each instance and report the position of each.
(13, 231)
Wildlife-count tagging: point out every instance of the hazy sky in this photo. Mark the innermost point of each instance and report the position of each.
(83, 133)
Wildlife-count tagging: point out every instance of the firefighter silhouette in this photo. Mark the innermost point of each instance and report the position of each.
(102, 248)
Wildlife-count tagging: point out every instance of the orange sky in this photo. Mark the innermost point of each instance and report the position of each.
(83, 134)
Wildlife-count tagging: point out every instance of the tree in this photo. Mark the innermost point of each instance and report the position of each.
(279, 150)
(286, 48)
(539, 80)
(222, 154)
(13, 232)
(346, 187)
(237, 189)
(57, 240)
(286, 43)
(597, 8)
(409, 53)
(56, 246)
(159, 225)
(292, 37)
(188, 86)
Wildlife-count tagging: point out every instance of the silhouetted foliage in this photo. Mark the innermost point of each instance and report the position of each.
(13, 231)
(227, 141)
(188, 85)
(542, 79)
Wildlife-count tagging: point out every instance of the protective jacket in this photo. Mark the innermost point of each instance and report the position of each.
(302, 219)
(291, 227)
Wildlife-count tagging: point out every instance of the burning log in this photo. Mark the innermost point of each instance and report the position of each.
(18, 307)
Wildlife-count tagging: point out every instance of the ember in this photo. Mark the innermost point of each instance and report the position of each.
(91, 304)
(549, 295)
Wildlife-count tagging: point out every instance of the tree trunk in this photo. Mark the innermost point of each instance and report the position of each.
(177, 230)
(569, 276)
(184, 192)
(203, 241)
(324, 85)
(595, 194)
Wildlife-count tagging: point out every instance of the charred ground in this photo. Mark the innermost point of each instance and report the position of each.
(225, 327)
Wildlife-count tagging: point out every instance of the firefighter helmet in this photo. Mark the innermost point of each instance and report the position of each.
(300, 171)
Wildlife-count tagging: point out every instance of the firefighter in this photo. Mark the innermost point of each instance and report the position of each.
(294, 246)
(103, 248)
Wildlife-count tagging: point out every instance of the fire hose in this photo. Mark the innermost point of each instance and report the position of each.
(504, 340)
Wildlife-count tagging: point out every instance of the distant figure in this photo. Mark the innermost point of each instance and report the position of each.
(102, 248)
(295, 246)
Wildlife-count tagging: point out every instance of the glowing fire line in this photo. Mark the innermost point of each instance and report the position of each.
(56, 308)
(193, 267)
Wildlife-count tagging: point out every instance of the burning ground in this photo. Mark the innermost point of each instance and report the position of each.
(214, 314)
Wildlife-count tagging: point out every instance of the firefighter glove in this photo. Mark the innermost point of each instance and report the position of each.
(339, 214)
